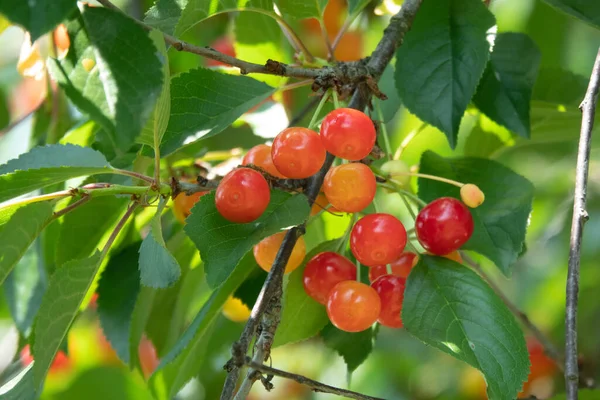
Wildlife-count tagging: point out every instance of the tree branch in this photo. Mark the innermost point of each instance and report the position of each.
(580, 216)
(549, 348)
(271, 292)
(314, 385)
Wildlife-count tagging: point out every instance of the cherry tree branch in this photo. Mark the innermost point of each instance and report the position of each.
(549, 348)
(269, 298)
(314, 385)
(580, 216)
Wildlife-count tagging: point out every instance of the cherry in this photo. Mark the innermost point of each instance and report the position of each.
(183, 204)
(61, 39)
(224, 45)
(454, 256)
(61, 361)
(148, 356)
(261, 157)
(298, 152)
(401, 267)
(353, 306)
(390, 289)
(242, 196)
(266, 251)
(350, 187)
(471, 195)
(398, 171)
(319, 204)
(444, 225)
(377, 239)
(235, 310)
(541, 365)
(348, 134)
(324, 271)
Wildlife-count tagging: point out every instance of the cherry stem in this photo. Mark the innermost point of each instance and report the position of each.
(336, 101)
(412, 134)
(428, 176)
(384, 132)
(388, 269)
(357, 271)
(344, 238)
(325, 35)
(408, 206)
(324, 98)
(412, 246)
(295, 85)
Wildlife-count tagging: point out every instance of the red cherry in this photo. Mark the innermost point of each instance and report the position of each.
(401, 267)
(390, 289)
(224, 45)
(353, 306)
(350, 187)
(242, 196)
(324, 271)
(298, 152)
(348, 134)
(60, 363)
(444, 225)
(261, 157)
(148, 356)
(377, 239)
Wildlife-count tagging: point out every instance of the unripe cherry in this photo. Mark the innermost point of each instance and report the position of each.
(242, 196)
(298, 152)
(350, 187)
(471, 195)
(348, 134)
(266, 251)
(377, 239)
(183, 204)
(398, 171)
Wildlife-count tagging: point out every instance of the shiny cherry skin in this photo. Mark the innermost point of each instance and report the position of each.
(348, 134)
(378, 239)
(298, 152)
(242, 196)
(390, 289)
(444, 225)
(350, 187)
(353, 306)
(324, 271)
(266, 251)
(401, 267)
(182, 205)
(261, 157)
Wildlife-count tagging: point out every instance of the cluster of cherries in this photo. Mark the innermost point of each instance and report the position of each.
(377, 240)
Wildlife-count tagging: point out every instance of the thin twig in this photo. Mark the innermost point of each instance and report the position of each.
(314, 385)
(580, 216)
(137, 175)
(325, 35)
(271, 292)
(71, 207)
(549, 348)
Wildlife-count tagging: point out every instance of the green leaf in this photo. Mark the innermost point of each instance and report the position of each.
(61, 302)
(164, 15)
(392, 105)
(441, 60)
(559, 86)
(205, 102)
(83, 228)
(181, 363)
(24, 288)
(300, 9)
(223, 244)
(585, 10)
(501, 221)
(157, 123)
(21, 387)
(448, 306)
(45, 166)
(583, 394)
(121, 90)
(158, 267)
(354, 347)
(17, 234)
(302, 317)
(37, 16)
(505, 89)
(117, 290)
(356, 6)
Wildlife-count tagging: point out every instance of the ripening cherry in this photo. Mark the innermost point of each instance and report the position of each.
(541, 367)
(235, 310)
(401, 267)
(350, 187)
(471, 195)
(444, 225)
(261, 157)
(266, 251)
(353, 306)
(182, 205)
(148, 356)
(390, 289)
(348, 134)
(319, 204)
(324, 271)
(377, 239)
(298, 152)
(242, 196)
